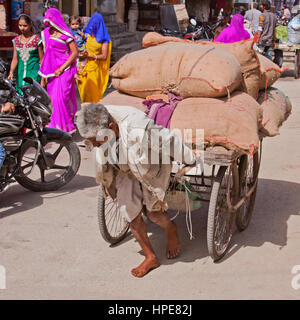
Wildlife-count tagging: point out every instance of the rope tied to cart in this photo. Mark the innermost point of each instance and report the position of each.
(188, 215)
(185, 186)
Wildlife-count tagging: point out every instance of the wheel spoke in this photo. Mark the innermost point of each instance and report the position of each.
(42, 171)
(57, 152)
(56, 166)
(248, 176)
(29, 164)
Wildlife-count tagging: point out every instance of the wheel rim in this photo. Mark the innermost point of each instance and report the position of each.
(223, 217)
(60, 160)
(248, 177)
(115, 224)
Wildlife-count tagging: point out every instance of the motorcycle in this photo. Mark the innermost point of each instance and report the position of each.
(197, 31)
(37, 157)
(171, 33)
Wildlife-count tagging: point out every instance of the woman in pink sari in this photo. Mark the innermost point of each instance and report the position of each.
(234, 32)
(58, 70)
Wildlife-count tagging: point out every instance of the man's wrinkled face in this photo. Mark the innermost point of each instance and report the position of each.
(113, 126)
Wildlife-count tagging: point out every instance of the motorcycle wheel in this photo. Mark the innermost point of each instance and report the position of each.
(64, 157)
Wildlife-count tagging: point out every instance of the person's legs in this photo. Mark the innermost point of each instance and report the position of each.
(163, 220)
(278, 57)
(268, 52)
(138, 229)
(129, 199)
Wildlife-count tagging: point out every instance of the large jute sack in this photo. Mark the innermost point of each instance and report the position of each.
(153, 38)
(270, 72)
(186, 70)
(276, 108)
(232, 123)
(242, 50)
(122, 99)
(247, 57)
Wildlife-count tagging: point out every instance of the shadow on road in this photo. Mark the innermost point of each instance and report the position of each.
(275, 202)
(17, 199)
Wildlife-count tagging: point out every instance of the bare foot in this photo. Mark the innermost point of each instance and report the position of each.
(147, 265)
(173, 243)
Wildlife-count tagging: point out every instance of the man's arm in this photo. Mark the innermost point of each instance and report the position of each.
(7, 107)
(260, 28)
(174, 148)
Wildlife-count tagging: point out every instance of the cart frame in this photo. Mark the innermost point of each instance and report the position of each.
(296, 59)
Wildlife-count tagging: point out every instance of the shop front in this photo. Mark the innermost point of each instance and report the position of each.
(9, 14)
(152, 13)
(83, 8)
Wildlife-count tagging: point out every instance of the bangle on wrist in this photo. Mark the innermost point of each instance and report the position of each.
(96, 58)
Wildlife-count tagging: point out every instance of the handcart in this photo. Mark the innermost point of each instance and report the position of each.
(293, 55)
(228, 183)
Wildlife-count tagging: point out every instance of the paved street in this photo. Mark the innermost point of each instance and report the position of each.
(51, 248)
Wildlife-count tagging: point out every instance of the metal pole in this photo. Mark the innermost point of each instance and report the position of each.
(251, 4)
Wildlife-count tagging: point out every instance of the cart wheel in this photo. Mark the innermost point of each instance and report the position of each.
(113, 227)
(248, 172)
(220, 219)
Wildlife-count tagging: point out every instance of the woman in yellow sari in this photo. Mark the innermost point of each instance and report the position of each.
(93, 76)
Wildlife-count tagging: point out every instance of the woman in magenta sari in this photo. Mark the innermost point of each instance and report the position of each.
(235, 31)
(58, 70)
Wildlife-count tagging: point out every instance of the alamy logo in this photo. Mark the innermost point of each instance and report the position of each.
(296, 279)
(2, 278)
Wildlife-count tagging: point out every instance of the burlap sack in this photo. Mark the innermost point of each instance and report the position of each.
(153, 38)
(242, 50)
(270, 72)
(232, 123)
(276, 108)
(247, 57)
(186, 70)
(122, 99)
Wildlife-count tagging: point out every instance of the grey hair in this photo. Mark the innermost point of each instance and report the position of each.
(91, 118)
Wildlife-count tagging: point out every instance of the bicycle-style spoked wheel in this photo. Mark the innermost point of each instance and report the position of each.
(248, 172)
(220, 217)
(113, 227)
(63, 161)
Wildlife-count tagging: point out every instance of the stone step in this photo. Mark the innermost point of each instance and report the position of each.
(116, 28)
(109, 17)
(123, 38)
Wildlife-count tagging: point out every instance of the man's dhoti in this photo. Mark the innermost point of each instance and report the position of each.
(132, 195)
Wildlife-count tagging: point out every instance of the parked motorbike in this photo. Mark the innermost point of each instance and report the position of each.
(38, 158)
(198, 31)
(171, 33)
(283, 21)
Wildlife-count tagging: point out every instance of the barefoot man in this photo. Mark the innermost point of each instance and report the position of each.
(134, 161)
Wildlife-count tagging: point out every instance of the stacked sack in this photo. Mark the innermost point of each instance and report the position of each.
(219, 84)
